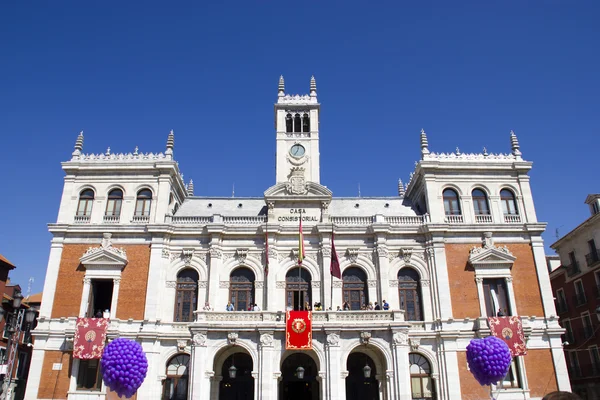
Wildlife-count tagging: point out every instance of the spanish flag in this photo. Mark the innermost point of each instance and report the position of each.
(301, 254)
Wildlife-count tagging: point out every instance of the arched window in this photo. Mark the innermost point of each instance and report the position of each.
(420, 378)
(297, 123)
(480, 202)
(305, 123)
(86, 200)
(143, 203)
(297, 289)
(186, 298)
(355, 290)
(176, 384)
(289, 123)
(509, 205)
(451, 203)
(113, 206)
(409, 292)
(241, 289)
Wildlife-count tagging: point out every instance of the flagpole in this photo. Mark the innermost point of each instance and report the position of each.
(331, 277)
(300, 245)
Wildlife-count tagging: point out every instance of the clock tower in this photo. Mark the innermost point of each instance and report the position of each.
(297, 129)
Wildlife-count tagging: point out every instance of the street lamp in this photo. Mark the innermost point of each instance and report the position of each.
(367, 371)
(232, 370)
(300, 372)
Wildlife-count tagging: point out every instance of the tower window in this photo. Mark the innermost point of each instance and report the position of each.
(509, 206)
(451, 204)
(113, 206)
(144, 200)
(86, 199)
(305, 123)
(297, 123)
(289, 123)
(480, 202)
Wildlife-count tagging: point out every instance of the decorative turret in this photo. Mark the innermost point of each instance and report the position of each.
(424, 144)
(514, 144)
(401, 189)
(170, 145)
(281, 88)
(78, 145)
(190, 188)
(313, 87)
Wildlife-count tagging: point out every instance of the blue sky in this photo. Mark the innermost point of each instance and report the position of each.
(128, 72)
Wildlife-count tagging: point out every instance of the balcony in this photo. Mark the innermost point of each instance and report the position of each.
(454, 219)
(140, 219)
(111, 219)
(483, 219)
(512, 219)
(579, 299)
(573, 269)
(81, 219)
(592, 258)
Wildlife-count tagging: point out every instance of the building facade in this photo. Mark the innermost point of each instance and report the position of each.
(576, 286)
(460, 241)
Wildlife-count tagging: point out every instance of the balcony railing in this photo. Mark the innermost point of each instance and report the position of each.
(352, 220)
(512, 218)
(483, 219)
(407, 219)
(184, 220)
(318, 317)
(454, 219)
(111, 219)
(573, 269)
(82, 219)
(579, 299)
(251, 220)
(140, 219)
(592, 258)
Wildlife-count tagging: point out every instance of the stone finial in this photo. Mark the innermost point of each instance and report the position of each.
(136, 151)
(401, 191)
(107, 152)
(313, 87)
(190, 188)
(424, 143)
(170, 144)
(514, 144)
(281, 87)
(78, 145)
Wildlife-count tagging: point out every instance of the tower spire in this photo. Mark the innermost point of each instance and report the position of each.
(78, 145)
(401, 190)
(424, 144)
(170, 145)
(281, 87)
(313, 86)
(514, 144)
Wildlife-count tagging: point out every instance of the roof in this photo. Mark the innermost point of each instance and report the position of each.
(34, 298)
(3, 260)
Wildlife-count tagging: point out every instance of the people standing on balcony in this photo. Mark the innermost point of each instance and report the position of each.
(229, 306)
(386, 306)
(338, 308)
(207, 306)
(346, 306)
(370, 306)
(377, 306)
(256, 307)
(500, 313)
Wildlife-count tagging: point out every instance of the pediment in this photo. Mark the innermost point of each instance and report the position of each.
(311, 190)
(105, 257)
(491, 256)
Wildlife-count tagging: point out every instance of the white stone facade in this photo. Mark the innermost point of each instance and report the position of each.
(217, 236)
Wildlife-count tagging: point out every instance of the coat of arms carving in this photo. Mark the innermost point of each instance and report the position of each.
(297, 182)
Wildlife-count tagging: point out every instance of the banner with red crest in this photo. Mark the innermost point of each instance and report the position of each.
(90, 337)
(298, 330)
(510, 330)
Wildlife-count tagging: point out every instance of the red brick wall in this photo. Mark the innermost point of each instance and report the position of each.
(469, 387)
(132, 292)
(463, 290)
(55, 384)
(540, 372)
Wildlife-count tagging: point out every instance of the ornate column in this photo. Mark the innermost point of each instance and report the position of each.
(481, 295)
(256, 386)
(216, 262)
(327, 278)
(201, 372)
(401, 365)
(383, 271)
(336, 371)
(267, 388)
(115, 298)
(259, 294)
(156, 287)
(85, 297)
(389, 384)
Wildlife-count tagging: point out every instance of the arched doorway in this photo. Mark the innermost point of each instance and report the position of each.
(175, 387)
(361, 382)
(354, 288)
(238, 385)
(297, 384)
(297, 289)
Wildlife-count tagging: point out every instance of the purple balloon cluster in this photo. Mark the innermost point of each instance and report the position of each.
(489, 359)
(124, 366)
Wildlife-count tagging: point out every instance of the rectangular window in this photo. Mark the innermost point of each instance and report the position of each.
(88, 376)
(595, 207)
(561, 301)
(588, 328)
(496, 297)
(511, 380)
(101, 292)
(592, 257)
(597, 275)
(595, 358)
(580, 299)
(567, 325)
(575, 370)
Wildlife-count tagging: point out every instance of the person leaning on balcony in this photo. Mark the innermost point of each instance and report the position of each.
(386, 305)
(377, 306)
(561, 396)
(229, 306)
(346, 306)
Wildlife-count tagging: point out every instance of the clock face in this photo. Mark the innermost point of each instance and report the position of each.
(297, 150)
